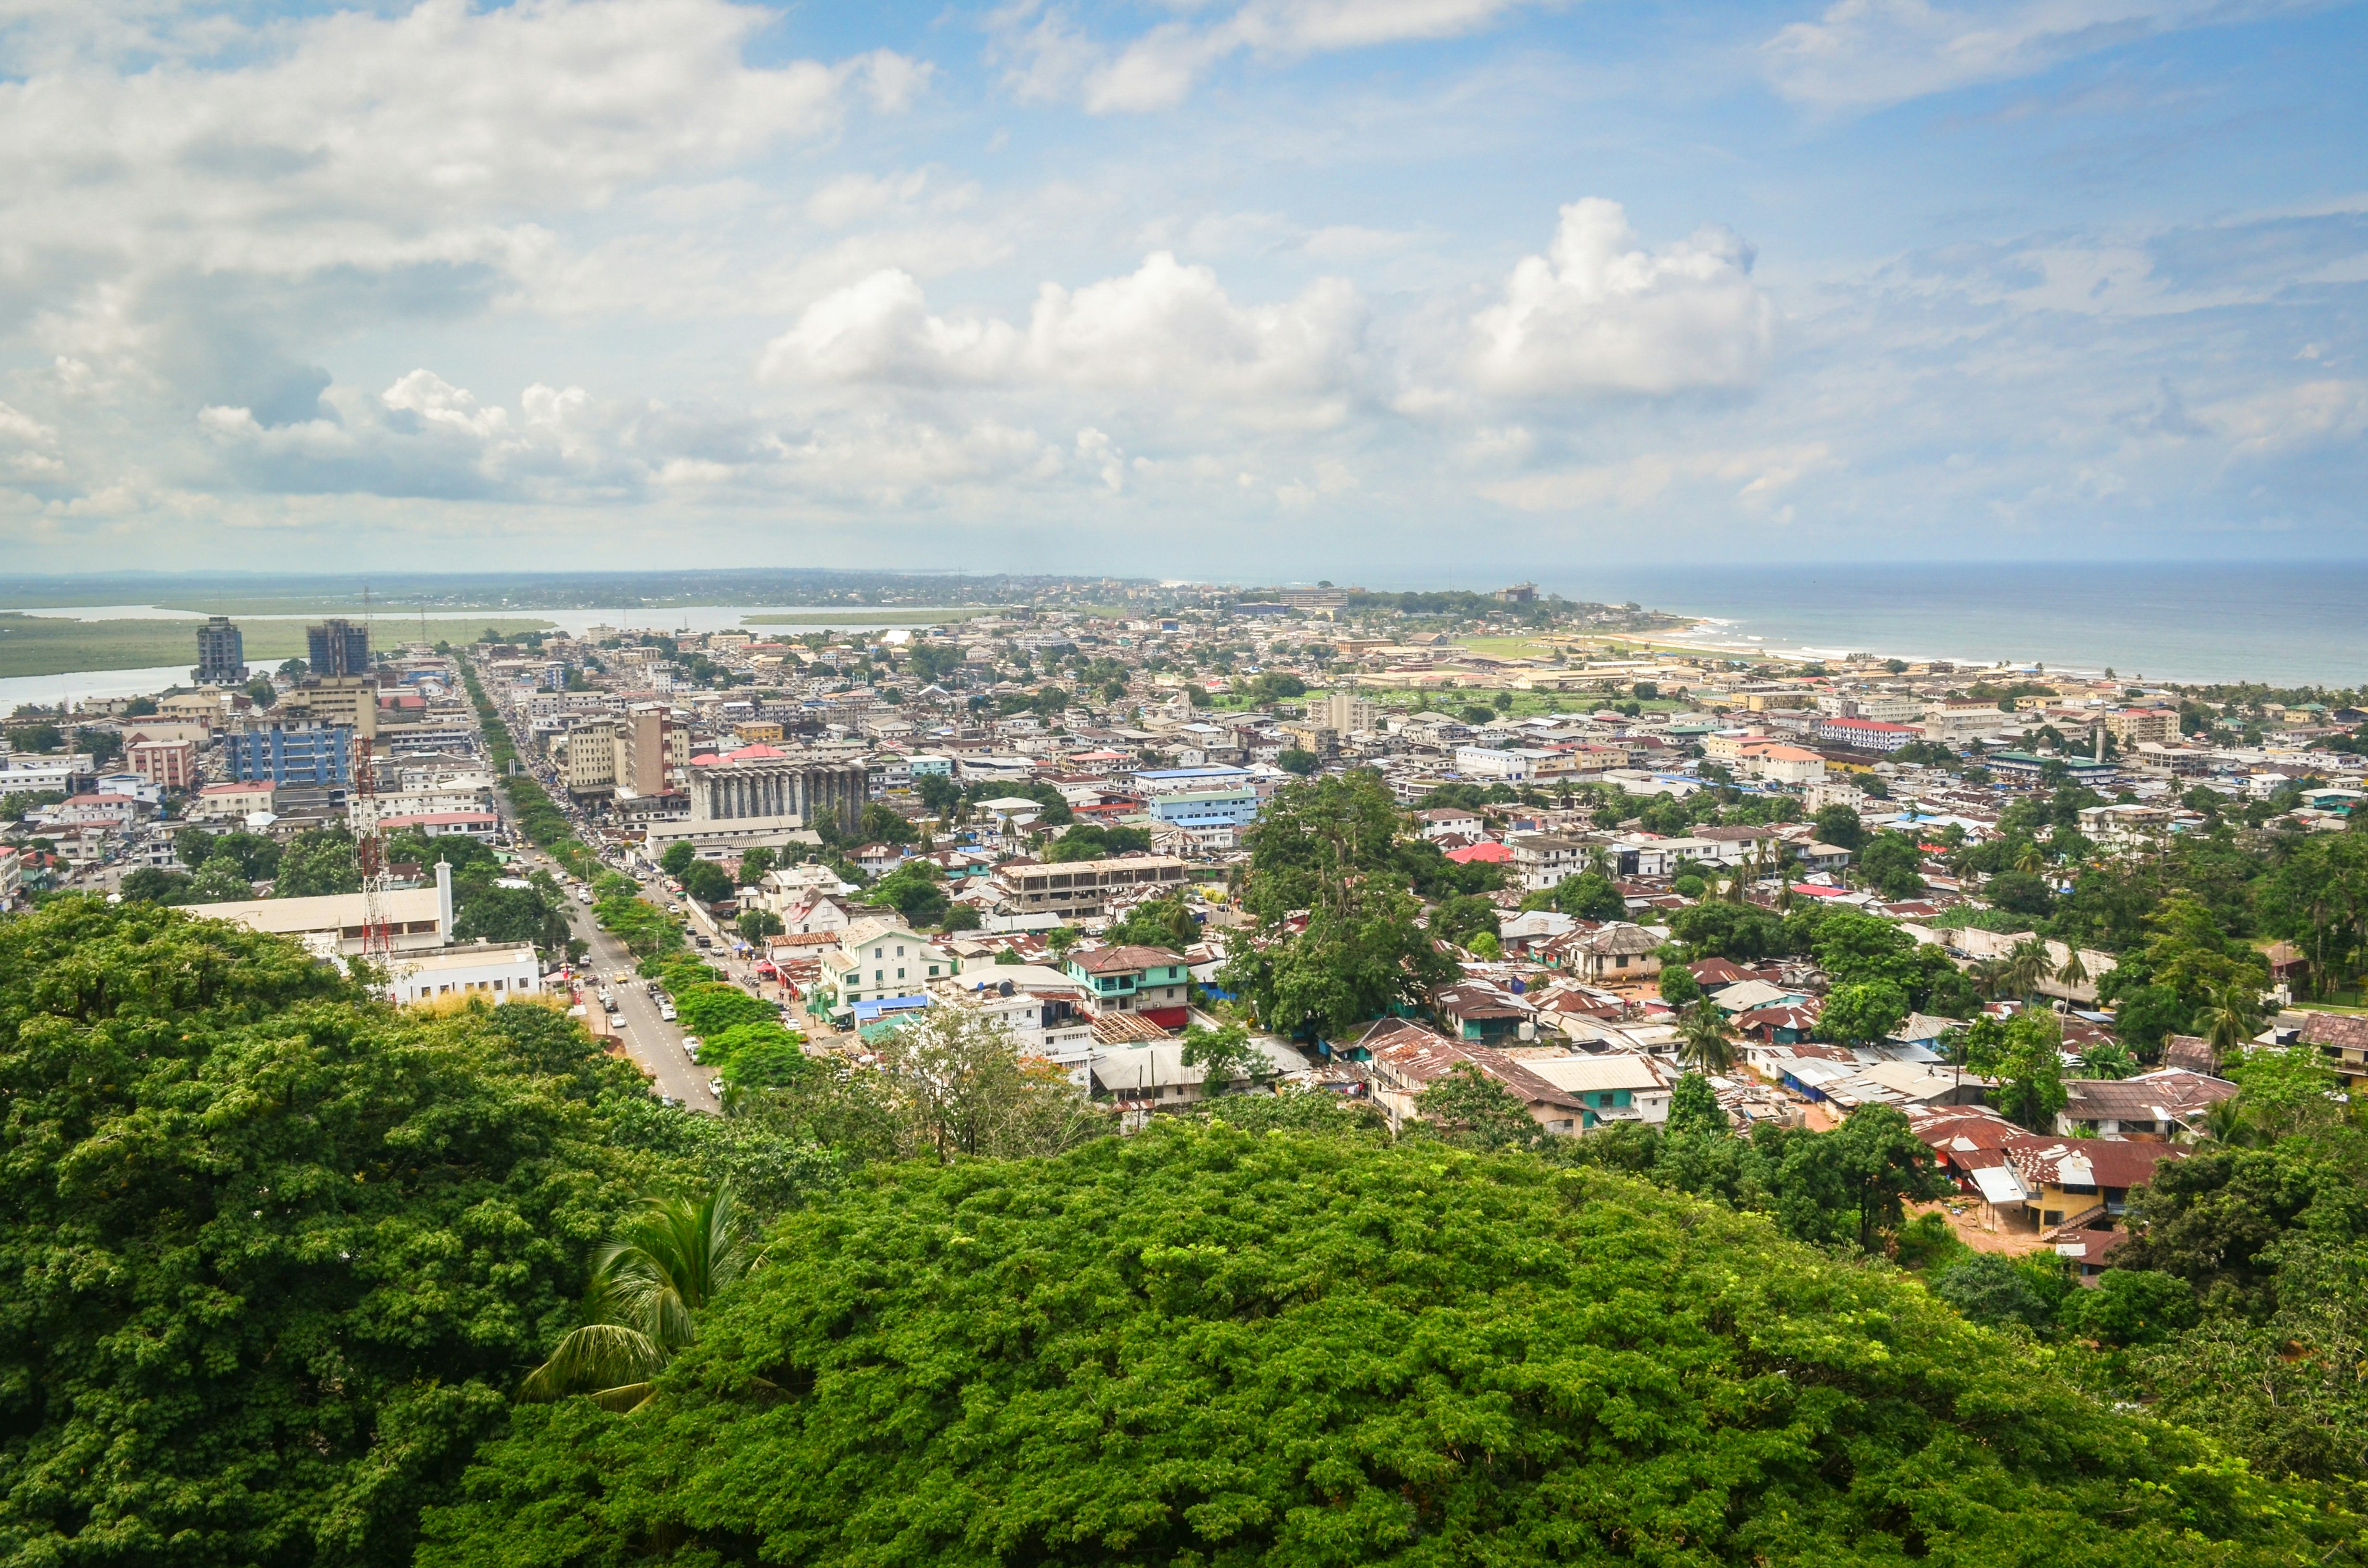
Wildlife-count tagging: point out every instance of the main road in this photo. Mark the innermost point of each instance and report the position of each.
(654, 1045)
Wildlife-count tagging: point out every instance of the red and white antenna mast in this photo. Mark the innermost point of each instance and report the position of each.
(370, 846)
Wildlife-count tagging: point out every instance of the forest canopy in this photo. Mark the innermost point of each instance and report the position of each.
(1205, 1345)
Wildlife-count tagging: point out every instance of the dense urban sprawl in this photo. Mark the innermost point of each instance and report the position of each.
(2040, 986)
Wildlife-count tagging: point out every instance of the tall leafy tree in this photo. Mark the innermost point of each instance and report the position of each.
(1337, 938)
(272, 1256)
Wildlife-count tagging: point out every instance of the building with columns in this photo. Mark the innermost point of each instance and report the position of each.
(759, 796)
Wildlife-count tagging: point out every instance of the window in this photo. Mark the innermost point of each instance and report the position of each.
(875, 952)
(900, 974)
(900, 949)
(878, 976)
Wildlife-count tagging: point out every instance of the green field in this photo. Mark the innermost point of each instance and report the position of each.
(43, 645)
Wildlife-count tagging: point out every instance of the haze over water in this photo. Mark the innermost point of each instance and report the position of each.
(2283, 623)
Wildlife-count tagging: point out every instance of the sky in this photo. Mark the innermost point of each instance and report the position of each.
(1381, 291)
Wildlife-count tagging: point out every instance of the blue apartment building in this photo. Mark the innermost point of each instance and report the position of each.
(310, 753)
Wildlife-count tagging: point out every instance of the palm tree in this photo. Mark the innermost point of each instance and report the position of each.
(2072, 972)
(2108, 1058)
(648, 1285)
(2026, 965)
(2029, 860)
(2232, 1015)
(1706, 1043)
(2226, 1122)
(1988, 977)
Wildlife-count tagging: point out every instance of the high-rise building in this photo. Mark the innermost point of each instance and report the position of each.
(338, 648)
(222, 652)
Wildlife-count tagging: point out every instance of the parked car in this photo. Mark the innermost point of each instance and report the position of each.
(665, 1012)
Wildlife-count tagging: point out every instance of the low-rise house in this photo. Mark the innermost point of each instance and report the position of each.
(874, 958)
(1441, 819)
(1483, 1013)
(1150, 982)
(2153, 1106)
(2074, 1182)
(2342, 1039)
(491, 971)
(1403, 1059)
(1615, 1086)
(1611, 954)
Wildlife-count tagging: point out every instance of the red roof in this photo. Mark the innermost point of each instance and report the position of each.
(1814, 891)
(1493, 853)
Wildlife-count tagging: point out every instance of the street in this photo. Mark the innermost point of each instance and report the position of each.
(654, 1044)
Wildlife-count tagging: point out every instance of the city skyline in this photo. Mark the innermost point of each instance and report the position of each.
(1225, 290)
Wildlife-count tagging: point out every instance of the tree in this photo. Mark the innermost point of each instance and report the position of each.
(756, 924)
(2231, 1018)
(1891, 864)
(1705, 1039)
(1156, 923)
(2027, 964)
(1852, 1184)
(1678, 986)
(1694, 1109)
(915, 891)
(1460, 919)
(712, 1007)
(318, 861)
(707, 883)
(1093, 841)
(1326, 848)
(648, 1286)
(677, 858)
(1226, 1055)
(1469, 1108)
(1838, 826)
(1298, 760)
(962, 1088)
(2107, 1059)
(2031, 1070)
(335, 1236)
(754, 862)
(1587, 896)
(2131, 1306)
(1993, 1290)
(1865, 1012)
(1357, 1290)
(1738, 932)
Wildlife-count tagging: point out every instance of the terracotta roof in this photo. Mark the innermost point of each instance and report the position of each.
(1492, 853)
(1124, 959)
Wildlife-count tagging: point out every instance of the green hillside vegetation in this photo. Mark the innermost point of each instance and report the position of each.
(46, 645)
(1210, 1346)
(273, 1257)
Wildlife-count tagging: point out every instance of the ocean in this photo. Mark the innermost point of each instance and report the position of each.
(2283, 624)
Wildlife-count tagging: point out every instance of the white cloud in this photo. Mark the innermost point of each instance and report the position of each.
(1159, 69)
(879, 330)
(1166, 329)
(1864, 53)
(1639, 481)
(2282, 419)
(1601, 314)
